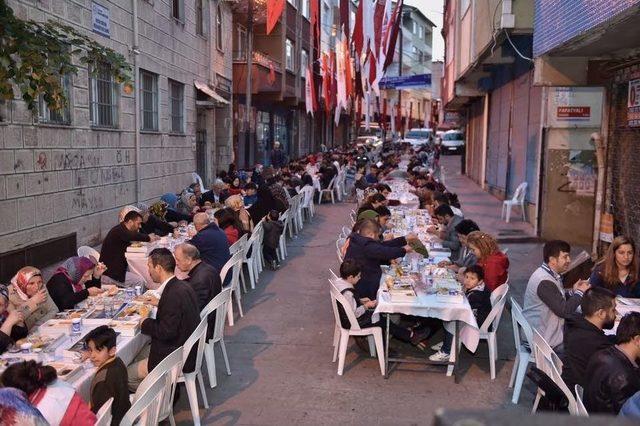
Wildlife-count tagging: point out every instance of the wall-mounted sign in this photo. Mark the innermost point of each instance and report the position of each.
(418, 81)
(633, 104)
(100, 20)
(571, 107)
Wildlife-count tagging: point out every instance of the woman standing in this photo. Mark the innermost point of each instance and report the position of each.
(75, 280)
(28, 294)
(618, 270)
(495, 264)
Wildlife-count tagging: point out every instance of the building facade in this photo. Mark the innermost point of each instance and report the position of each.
(65, 174)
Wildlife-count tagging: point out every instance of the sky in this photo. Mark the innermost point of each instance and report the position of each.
(433, 9)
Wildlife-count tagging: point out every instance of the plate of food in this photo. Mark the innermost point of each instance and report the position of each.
(41, 342)
(65, 370)
(133, 310)
(72, 313)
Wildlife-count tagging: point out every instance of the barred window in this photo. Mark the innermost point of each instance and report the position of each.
(149, 100)
(62, 115)
(103, 98)
(176, 106)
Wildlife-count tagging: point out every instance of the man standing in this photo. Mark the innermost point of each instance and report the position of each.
(176, 319)
(204, 279)
(278, 157)
(612, 374)
(584, 334)
(449, 236)
(115, 245)
(210, 241)
(545, 304)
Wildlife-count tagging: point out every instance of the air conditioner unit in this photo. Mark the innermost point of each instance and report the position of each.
(508, 19)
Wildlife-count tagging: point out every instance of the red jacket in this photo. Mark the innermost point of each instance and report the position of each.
(232, 234)
(496, 269)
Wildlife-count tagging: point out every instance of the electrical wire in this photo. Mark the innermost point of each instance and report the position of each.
(516, 49)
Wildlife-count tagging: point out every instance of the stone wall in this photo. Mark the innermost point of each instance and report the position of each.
(60, 179)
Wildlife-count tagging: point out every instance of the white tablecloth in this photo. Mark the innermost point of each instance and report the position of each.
(137, 263)
(427, 305)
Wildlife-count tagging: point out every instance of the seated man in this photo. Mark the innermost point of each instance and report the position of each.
(176, 319)
(448, 234)
(115, 246)
(545, 305)
(584, 334)
(203, 278)
(612, 374)
(211, 241)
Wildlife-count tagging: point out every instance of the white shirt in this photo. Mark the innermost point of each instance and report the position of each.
(160, 289)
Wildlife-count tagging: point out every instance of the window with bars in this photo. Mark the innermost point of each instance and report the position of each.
(62, 115)
(103, 98)
(199, 17)
(219, 29)
(149, 100)
(290, 58)
(176, 106)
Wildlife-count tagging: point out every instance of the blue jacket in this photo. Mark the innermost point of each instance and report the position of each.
(212, 243)
(370, 254)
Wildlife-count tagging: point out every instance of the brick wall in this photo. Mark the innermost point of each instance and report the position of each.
(59, 179)
(558, 21)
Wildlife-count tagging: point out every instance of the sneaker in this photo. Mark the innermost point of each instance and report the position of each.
(439, 357)
(437, 347)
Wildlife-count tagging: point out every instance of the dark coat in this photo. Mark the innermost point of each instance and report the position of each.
(62, 294)
(205, 281)
(17, 332)
(611, 380)
(155, 225)
(111, 381)
(581, 340)
(212, 243)
(480, 302)
(630, 288)
(272, 231)
(263, 205)
(278, 158)
(114, 247)
(177, 318)
(370, 254)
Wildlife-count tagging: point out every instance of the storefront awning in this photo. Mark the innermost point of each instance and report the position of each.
(207, 90)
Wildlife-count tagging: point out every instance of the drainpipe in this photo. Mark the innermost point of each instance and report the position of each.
(136, 76)
(598, 141)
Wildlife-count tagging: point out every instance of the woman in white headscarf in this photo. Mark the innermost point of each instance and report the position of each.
(28, 294)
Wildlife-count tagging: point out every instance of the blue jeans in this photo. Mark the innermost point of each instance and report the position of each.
(448, 340)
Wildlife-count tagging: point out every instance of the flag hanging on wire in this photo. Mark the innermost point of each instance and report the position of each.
(308, 91)
(393, 29)
(274, 10)
(358, 34)
(325, 83)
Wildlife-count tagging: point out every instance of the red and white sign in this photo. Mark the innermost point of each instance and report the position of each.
(633, 104)
(574, 112)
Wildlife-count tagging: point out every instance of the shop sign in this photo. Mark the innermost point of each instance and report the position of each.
(606, 227)
(571, 107)
(574, 113)
(100, 20)
(633, 104)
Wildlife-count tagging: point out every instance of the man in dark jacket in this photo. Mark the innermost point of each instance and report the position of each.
(278, 157)
(584, 336)
(365, 248)
(115, 245)
(176, 319)
(210, 241)
(449, 236)
(203, 278)
(612, 374)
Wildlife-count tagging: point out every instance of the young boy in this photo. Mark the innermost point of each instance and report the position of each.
(480, 300)
(272, 230)
(111, 377)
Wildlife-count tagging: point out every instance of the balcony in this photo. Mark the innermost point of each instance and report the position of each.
(262, 77)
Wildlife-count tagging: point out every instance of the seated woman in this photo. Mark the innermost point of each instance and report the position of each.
(28, 294)
(618, 270)
(57, 400)
(494, 263)
(372, 202)
(229, 224)
(173, 215)
(188, 204)
(235, 186)
(236, 204)
(153, 221)
(10, 320)
(75, 280)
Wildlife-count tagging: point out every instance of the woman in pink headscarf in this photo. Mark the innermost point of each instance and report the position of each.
(28, 294)
(75, 280)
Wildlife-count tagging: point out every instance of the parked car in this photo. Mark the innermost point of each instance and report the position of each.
(418, 137)
(452, 142)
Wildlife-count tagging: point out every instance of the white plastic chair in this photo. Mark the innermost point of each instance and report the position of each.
(346, 231)
(197, 179)
(234, 264)
(144, 411)
(168, 370)
(218, 305)
(236, 247)
(198, 339)
(86, 251)
(516, 200)
(355, 330)
(253, 246)
(103, 416)
(551, 364)
(524, 354)
(582, 410)
(340, 242)
(282, 240)
(492, 322)
(333, 275)
(307, 201)
(328, 190)
(259, 230)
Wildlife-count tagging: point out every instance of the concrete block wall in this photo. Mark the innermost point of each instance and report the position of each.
(558, 21)
(59, 179)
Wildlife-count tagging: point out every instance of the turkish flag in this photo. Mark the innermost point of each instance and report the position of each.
(348, 73)
(392, 34)
(315, 21)
(274, 10)
(358, 35)
(344, 17)
(325, 82)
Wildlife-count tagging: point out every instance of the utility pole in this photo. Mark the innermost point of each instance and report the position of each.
(247, 117)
